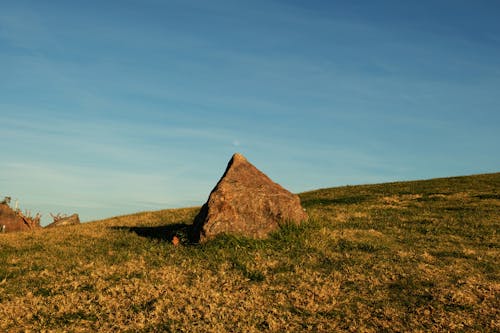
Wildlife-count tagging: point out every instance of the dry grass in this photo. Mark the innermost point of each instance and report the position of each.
(414, 256)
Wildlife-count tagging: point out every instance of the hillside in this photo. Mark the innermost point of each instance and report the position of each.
(409, 256)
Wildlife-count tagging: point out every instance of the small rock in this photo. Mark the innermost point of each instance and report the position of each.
(64, 220)
(13, 221)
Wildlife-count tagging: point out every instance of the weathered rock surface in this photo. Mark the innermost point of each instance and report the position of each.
(62, 221)
(12, 221)
(246, 202)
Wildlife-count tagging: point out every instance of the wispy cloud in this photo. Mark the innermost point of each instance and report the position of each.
(123, 110)
(85, 189)
(24, 28)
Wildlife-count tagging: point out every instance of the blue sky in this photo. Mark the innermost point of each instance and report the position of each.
(114, 107)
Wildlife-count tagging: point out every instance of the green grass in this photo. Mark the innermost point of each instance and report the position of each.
(410, 256)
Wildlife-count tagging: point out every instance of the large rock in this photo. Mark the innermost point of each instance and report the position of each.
(246, 202)
(13, 221)
(64, 220)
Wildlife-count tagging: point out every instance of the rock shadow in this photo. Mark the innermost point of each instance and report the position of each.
(163, 233)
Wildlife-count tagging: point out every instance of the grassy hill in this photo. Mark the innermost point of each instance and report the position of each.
(410, 256)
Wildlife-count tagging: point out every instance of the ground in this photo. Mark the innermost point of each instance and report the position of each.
(411, 256)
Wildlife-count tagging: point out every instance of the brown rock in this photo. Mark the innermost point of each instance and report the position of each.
(64, 220)
(246, 202)
(12, 221)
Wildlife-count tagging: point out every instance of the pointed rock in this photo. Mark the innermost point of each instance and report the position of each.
(246, 202)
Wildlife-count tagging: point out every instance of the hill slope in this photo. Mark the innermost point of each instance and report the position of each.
(403, 256)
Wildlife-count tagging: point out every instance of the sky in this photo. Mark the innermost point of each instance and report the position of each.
(115, 107)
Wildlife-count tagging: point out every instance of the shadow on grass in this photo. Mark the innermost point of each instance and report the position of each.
(163, 233)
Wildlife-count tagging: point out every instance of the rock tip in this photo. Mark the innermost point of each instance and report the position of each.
(238, 157)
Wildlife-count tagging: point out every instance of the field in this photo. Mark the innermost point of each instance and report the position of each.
(410, 256)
